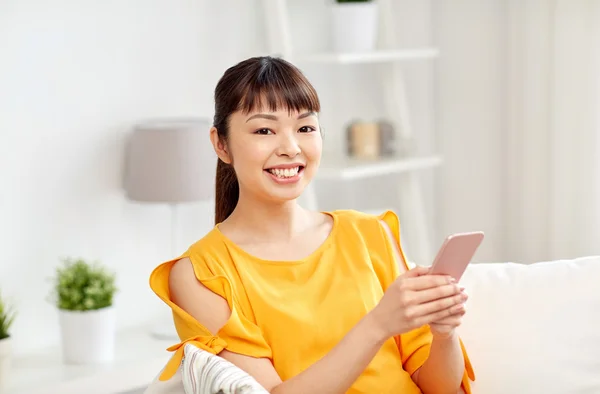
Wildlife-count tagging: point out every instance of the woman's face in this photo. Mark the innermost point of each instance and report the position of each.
(275, 154)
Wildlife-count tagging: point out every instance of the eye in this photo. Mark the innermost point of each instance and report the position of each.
(307, 129)
(263, 131)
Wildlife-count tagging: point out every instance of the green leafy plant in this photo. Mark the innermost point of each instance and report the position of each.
(7, 317)
(83, 286)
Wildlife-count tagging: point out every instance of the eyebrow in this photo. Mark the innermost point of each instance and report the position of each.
(273, 117)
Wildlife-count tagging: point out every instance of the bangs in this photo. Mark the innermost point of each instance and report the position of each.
(278, 85)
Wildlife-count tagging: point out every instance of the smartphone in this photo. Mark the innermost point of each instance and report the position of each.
(456, 253)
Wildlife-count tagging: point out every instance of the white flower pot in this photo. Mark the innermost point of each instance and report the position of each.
(5, 361)
(354, 26)
(88, 337)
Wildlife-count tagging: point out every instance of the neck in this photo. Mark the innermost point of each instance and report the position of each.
(268, 219)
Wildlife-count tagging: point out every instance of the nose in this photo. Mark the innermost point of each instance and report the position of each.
(288, 145)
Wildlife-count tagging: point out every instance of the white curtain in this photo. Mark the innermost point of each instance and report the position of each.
(553, 135)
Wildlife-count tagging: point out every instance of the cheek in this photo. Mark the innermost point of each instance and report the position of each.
(248, 156)
(312, 147)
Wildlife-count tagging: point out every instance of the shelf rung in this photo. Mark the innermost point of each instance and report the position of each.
(379, 56)
(356, 169)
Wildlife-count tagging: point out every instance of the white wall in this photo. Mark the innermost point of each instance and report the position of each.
(74, 77)
(471, 119)
(458, 105)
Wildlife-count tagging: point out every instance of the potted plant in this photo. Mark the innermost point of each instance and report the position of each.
(354, 25)
(84, 294)
(7, 317)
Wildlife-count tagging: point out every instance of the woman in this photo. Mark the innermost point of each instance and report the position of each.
(305, 302)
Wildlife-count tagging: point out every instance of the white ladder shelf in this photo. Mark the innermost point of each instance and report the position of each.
(414, 218)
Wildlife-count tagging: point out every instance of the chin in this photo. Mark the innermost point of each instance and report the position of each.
(284, 197)
(280, 195)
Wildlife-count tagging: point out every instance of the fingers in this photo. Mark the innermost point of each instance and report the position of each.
(452, 320)
(436, 310)
(444, 305)
(448, 314)
(446, 324)
(436, 293)
(455, 319)
(425, 282)
(415, 272)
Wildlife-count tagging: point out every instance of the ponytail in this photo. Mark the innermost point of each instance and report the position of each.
(227, 191)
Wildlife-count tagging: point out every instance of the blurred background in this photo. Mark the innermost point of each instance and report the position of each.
(501, 98)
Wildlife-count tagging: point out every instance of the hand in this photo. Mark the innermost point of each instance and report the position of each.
(415, 299)
(445, 327)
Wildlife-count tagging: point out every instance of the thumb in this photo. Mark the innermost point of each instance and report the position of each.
(416, 271)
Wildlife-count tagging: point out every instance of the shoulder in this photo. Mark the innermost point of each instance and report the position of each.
(384, 222)
(209, 252)
(362, 228)
(380, 230)
(354, 217)
(379, 234)
(207, 244)
(205, 258)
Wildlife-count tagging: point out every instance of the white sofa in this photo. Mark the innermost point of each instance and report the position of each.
(531, 329)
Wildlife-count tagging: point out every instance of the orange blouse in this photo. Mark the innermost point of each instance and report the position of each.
(295, 312)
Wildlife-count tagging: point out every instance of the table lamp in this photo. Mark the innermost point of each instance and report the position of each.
(170, 161)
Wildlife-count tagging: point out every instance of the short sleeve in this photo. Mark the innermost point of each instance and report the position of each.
(391, 219)
(414, 346)
(238, 335)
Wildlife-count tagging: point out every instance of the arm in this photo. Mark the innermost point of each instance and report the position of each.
(445, 365)
(333, 374)
(443, 368)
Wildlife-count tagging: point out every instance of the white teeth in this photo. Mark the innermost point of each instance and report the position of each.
(285, 172)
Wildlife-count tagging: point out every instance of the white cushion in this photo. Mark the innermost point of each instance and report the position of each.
(202, 372)
(534, 328)
(205, 373)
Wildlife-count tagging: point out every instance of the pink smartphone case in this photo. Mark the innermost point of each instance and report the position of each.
(456, 253)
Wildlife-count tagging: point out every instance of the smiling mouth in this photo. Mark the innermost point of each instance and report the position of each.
(285, 172)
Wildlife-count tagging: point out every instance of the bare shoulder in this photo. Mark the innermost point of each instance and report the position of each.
(182, 275)
(181, 268)
(210, 309)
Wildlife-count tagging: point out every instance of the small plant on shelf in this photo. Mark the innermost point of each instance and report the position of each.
(83, 286)
(7, 317)
(83, 292)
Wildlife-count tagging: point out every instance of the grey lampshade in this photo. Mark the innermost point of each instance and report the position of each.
(170, 161)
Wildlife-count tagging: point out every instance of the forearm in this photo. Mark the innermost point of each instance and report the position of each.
(443, 370)
(336, 372)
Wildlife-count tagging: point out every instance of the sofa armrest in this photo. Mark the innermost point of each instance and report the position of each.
(202, 372)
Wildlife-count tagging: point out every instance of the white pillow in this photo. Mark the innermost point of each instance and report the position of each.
(205, 373)
(534, 328)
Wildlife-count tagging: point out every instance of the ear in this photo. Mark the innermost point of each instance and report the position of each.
(219, 146)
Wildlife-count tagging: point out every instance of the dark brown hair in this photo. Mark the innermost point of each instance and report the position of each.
(253, 84)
